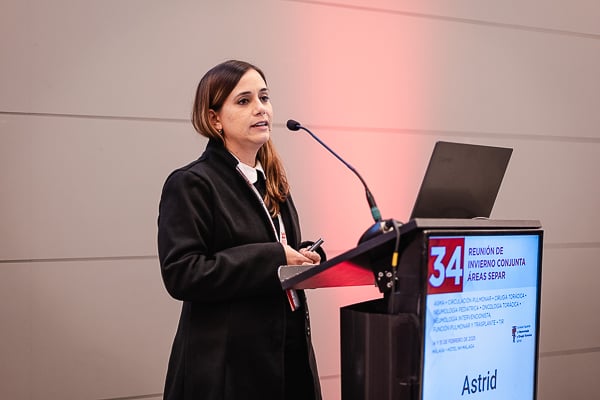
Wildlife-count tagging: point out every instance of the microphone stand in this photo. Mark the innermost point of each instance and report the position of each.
(380, 226)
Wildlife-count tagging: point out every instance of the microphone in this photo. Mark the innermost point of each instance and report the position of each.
(380, 226)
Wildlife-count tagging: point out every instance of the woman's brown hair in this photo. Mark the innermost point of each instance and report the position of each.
(213, 89)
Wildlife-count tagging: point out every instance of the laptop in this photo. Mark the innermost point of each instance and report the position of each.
(461, 181)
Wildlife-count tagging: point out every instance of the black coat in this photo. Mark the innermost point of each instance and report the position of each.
(219, 255)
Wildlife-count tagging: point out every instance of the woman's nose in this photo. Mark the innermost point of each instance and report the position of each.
(261, 110)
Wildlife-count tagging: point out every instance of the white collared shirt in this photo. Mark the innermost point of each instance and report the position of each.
(251, 173)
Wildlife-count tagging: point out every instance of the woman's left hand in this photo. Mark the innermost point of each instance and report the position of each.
(314, 257)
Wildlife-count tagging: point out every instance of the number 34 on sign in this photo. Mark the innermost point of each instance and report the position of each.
(445, 265)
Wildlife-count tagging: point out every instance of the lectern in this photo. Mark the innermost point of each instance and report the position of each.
(458, 317)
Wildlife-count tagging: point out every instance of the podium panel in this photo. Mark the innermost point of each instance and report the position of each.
(481, 315)
(459, 317)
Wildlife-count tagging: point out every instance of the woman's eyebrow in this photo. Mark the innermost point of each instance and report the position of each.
(247, 92)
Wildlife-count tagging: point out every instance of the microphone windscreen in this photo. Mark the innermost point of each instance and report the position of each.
(293, 125)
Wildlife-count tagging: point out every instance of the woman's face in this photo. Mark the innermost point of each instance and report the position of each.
(245, 116)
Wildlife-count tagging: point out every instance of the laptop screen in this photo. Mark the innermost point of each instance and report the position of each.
(461, 181)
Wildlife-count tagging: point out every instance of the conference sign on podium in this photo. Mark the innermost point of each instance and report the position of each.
(481, 316)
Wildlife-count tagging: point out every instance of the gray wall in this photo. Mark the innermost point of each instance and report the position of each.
(95, 98)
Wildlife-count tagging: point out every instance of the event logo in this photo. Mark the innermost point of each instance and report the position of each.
(522, 333)
(445, 265)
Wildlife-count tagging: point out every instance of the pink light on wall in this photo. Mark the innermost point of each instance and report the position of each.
(363, 85)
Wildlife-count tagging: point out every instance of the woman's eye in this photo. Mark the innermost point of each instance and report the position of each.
(243, 101)
(265, 99)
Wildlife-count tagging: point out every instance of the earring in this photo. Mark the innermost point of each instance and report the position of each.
(220, 131)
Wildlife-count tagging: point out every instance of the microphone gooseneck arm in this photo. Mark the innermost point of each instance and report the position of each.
(294, 126)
